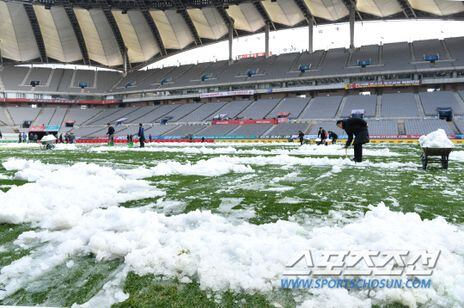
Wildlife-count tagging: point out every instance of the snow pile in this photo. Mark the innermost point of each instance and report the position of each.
(208, 167)
(60, 195)
(223, 255)
(436, 139)
(48, 138)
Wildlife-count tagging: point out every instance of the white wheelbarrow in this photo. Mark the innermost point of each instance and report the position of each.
(48, 142)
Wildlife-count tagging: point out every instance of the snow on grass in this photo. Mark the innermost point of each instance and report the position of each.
(217, 149)
(58, 146)
(223, 255)
(209, 168)
(19, 145)
(457, 155)
(110, 293)
(76, 210)
(287, 160)
(202, 168)
(66, 147)
(60, 195)
(221, 165)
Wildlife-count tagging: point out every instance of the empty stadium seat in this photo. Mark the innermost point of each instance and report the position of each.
(322, 107)
(367, 103)
(432, 100)
(286, 130)
(422, 127)
(399, 105)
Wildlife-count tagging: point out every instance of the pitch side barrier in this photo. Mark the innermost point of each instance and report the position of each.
(411, 139)
(121, 141)
(64, 101)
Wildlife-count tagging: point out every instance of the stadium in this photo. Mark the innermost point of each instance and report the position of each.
(230, 181)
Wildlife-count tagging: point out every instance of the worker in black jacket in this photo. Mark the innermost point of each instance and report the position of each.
(333, 136)
(358, 128)
(301, 137)
(110, 134)
(322, 135)
(141, 135)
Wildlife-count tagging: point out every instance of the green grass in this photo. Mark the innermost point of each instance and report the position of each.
(11, 252)
(150, 291)
(269, 194)
(63, 285)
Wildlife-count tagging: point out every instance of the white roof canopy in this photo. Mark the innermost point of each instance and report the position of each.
(148, 33)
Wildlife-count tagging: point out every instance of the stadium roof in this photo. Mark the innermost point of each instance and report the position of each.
(103, 32)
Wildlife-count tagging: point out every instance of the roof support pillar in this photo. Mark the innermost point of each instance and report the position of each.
(125, 59)
(310, 36)
(352, 19)
(266, 40)
(231, 39)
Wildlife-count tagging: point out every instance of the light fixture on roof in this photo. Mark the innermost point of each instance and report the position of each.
(124, 12)
(47, 3)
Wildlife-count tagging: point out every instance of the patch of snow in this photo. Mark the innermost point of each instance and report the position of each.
(286, 161)
(66, 147)
(60, 195)
(218, 149)
(457, 155)
(203, 167)
(19, 145)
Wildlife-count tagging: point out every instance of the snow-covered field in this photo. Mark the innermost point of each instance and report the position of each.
(222, 217)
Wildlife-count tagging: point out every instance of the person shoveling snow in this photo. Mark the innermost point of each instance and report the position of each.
(355, 127)
(436, 139)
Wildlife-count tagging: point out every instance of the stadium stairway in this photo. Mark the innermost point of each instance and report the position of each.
(411, 52)
(453, 127)
(2, 85)
(459, 98)
(23, 82)
(305, 108)
(265, 133)
(445, 48)
(378, 106)
(401, 127)
(420, 107)
(338, 114)
(380, 56)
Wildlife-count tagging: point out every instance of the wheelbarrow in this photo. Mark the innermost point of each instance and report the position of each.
(436, 155)
(48, 142)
